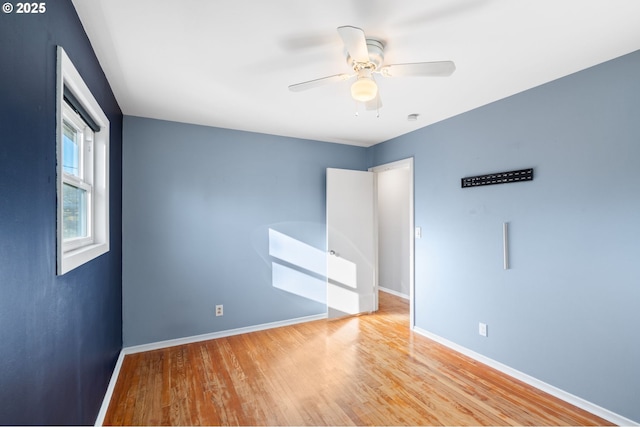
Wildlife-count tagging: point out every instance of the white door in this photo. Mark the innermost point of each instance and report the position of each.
(351, 242)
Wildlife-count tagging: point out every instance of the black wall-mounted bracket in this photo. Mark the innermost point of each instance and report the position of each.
(498, 178)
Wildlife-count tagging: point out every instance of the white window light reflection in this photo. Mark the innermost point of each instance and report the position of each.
(301, 269)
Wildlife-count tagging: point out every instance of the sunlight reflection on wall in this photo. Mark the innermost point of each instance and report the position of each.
(300, 268)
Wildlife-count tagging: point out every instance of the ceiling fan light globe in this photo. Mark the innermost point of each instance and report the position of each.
(364, 89)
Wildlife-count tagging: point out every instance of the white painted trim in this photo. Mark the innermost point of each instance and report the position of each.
(398, 164)
(222, 334)
(408, 162)
(66, 260)
(107, 396)
(534, 382)
(392, 292)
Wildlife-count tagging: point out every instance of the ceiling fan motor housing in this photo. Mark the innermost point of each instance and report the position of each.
(376, 57)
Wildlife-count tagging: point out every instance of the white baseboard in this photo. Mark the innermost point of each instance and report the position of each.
(107, 396)
(392, 292)
(221, 334)
(534, 382)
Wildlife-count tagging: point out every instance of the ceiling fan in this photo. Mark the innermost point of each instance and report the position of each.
(366, 57)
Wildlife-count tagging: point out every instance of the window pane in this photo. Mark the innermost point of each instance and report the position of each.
(70, 151)
(74, 214)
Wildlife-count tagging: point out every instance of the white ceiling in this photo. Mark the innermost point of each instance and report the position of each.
(228, 63)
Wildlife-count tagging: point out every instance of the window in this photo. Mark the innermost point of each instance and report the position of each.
(77, 179)
(83, 171)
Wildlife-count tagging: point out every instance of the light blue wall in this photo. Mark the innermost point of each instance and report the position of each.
(198, 203)
(567, 312)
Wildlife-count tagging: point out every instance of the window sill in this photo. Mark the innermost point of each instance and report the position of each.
(77, 257)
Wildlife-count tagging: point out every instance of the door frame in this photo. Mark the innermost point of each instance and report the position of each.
(411, 227)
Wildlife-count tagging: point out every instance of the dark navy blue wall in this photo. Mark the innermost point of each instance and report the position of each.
(59, 336)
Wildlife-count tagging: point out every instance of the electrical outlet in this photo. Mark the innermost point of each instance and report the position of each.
(482, 329)
(219, 310)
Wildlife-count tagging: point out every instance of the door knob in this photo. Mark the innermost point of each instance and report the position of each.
(332, 252)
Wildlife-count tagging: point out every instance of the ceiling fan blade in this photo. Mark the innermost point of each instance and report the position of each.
(299, 87)
(355, 42)
(428, 69)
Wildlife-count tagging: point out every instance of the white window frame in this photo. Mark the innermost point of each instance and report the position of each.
(84, 178)
(94, 177)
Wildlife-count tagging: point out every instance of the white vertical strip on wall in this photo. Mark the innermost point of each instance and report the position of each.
(505, 244)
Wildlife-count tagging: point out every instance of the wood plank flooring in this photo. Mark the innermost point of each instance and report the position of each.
(365, 370)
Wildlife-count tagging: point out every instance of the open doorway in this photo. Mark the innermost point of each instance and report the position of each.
(395, 230)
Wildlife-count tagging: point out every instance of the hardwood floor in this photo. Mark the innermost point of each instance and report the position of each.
(365, 370)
